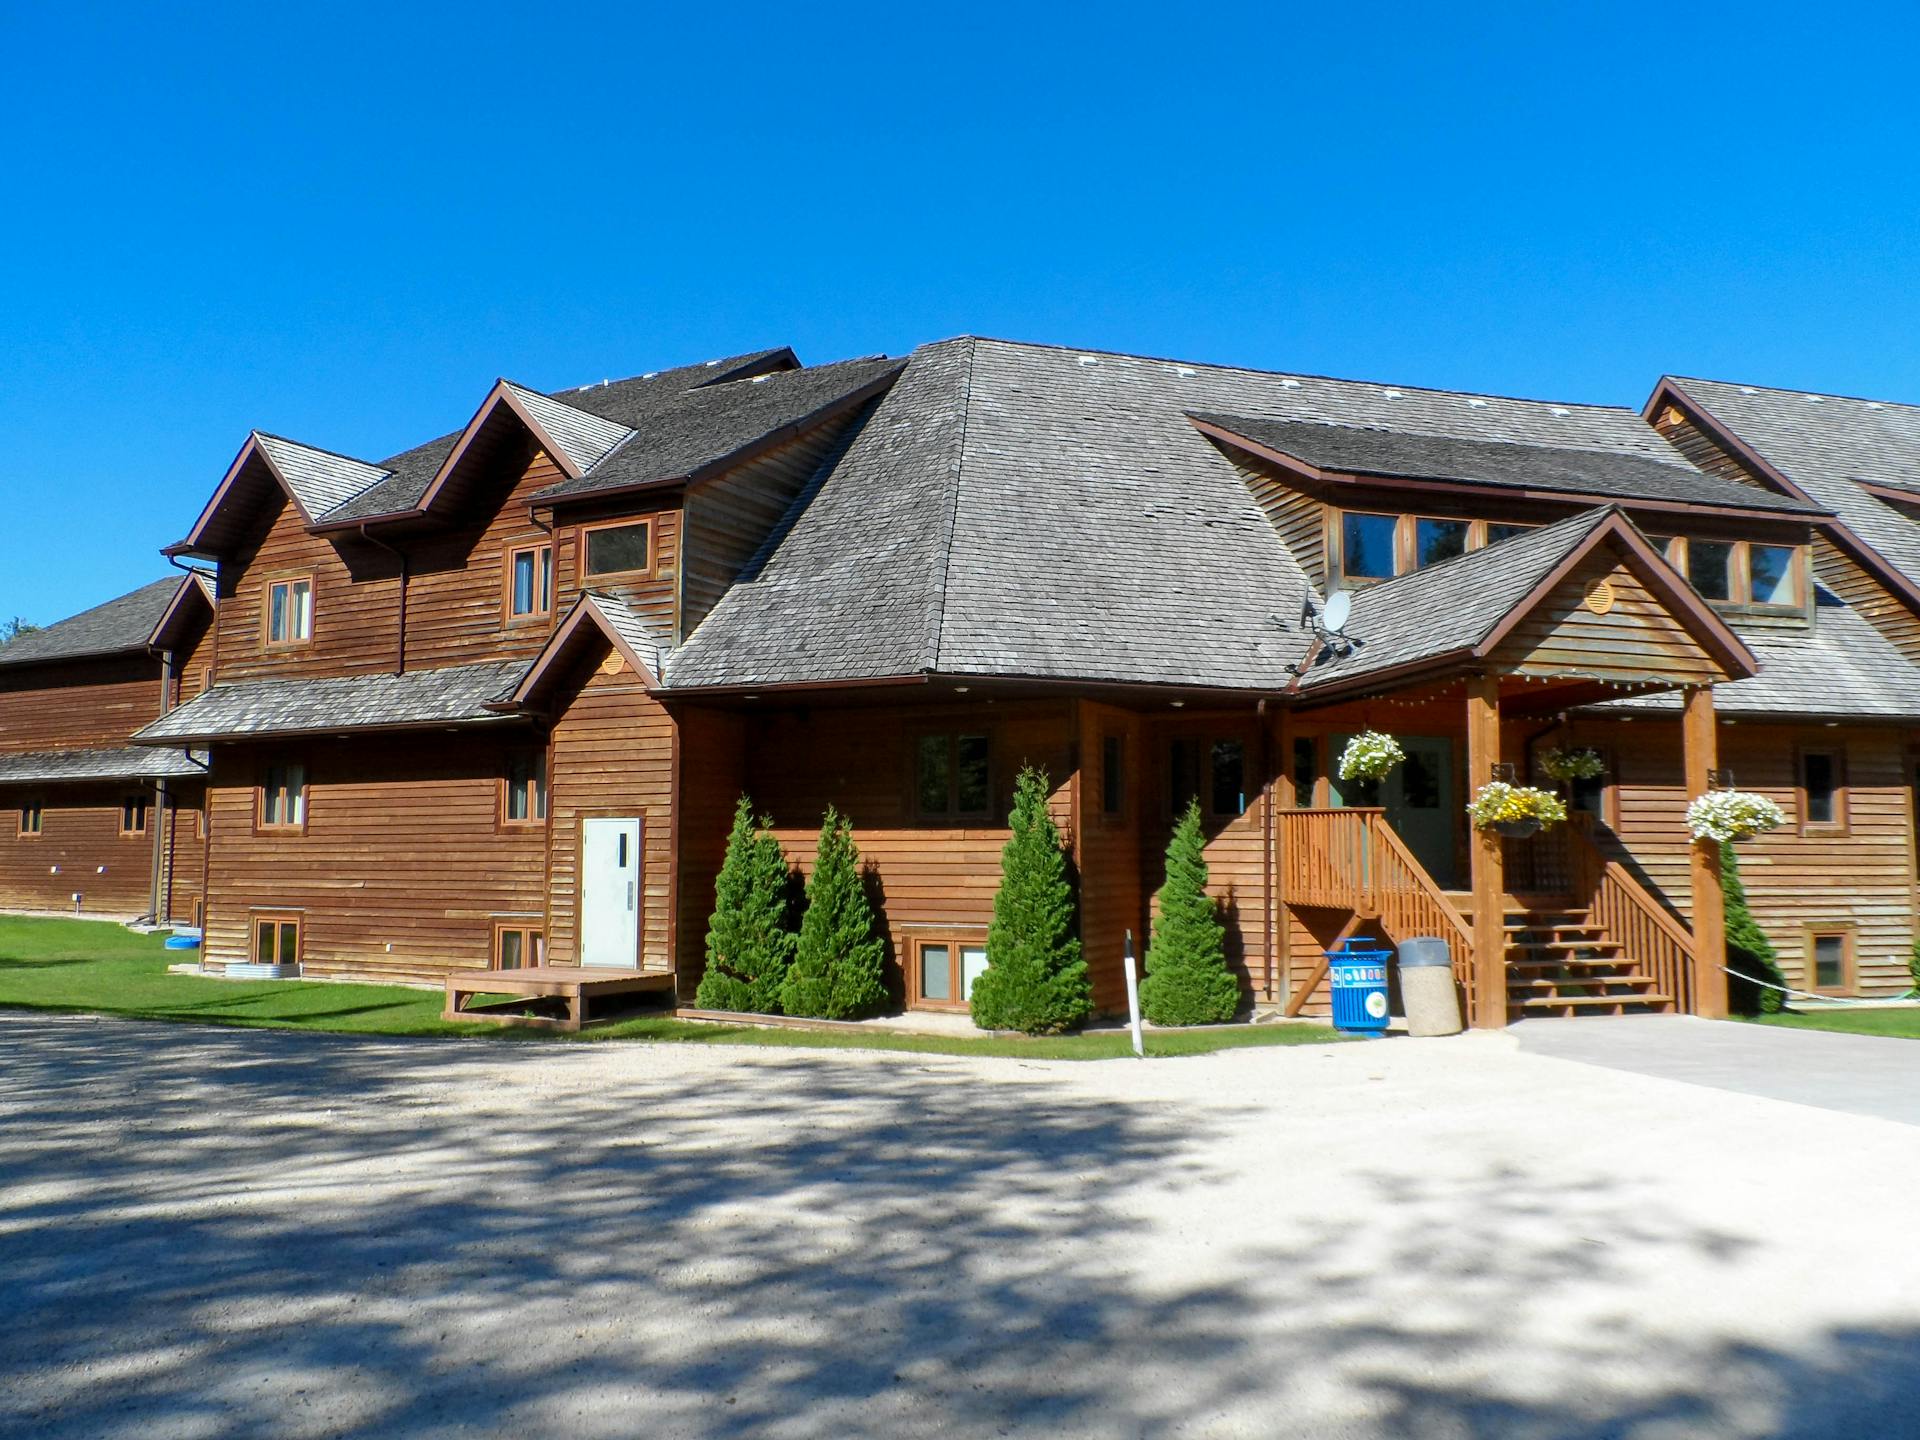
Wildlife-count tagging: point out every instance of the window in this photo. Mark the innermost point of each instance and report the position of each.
(1830, 959)
(1367, 546)
(1823, 800)
(290, 611)
(1183, 776)
(1228, 795)
(1113, 775)
(1497, 533)
(1306, 770)
(1437, 540)
(944, 969)
(624, 549)
(529, 582)
(133, 815)
(1772, 577)
(1739, 572)
(32, 817)
(283, 798)
(524, 797)
(276, 939)
(1589, 795)
(518, 945)
(952, 776)
(1667, 545)
(1710, 568)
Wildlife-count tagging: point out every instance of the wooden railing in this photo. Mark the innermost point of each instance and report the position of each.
(1631, 916)
(1351, 859)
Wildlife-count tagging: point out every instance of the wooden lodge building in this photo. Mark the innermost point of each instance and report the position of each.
(490, 702)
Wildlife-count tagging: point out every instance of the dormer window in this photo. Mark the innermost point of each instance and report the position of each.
(1740, 573)
(1378, 546)
(289, 617)
(624, 548)
(1437, 540)
(1369, 546)
(529, 582)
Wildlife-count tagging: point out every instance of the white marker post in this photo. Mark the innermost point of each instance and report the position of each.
(1133, 1001)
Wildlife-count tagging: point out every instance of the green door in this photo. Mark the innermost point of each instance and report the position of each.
(1418, 799)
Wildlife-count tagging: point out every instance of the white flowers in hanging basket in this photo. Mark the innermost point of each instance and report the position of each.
(1516, 810)
(1733, 815)
(1369, 756)
(1578, 764)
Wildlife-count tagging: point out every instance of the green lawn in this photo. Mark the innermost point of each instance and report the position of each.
(1905, 1024)
(82, 965)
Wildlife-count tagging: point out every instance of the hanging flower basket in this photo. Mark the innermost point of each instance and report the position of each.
(1370, 756)
(1514, 810)
(1574, 764)
(1731, 815)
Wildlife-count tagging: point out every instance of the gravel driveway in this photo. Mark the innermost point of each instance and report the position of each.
(210, 1233)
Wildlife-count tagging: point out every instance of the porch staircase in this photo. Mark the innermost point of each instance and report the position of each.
(1562, 961)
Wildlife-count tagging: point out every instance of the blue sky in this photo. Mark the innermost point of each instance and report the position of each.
(342, 223)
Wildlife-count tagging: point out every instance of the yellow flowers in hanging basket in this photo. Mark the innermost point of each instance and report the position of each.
(1515, 810)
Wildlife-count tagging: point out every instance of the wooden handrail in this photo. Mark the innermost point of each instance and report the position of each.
(1632, 917)
(1351, 859)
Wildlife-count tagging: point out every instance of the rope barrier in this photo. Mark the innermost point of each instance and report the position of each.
(1810, 995)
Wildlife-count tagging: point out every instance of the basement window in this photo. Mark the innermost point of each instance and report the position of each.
(1830, 967)
(517, 946)
(276, 939)
(944, 970)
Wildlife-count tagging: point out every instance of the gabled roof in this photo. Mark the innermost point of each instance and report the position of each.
(123, 624)
(317, 479)
(699, 432)
(458, 695)
(130, 762)
(593, 614)
(614, 403)
(1828, 448)
(314, 481)
(1461, 609)
(1842, 668)
(1346, 452)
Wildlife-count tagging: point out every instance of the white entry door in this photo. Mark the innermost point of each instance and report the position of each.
(610, 893)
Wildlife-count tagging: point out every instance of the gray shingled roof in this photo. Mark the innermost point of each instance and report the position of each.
(1616, 474)
(632, 625)
(623, 402)
(1841, 669)
(319, 479)
(120, 625)
(1027, 510)
(583, 437)
(1826, 445)
(457, 695)
(1450, 607)
(133, 762)
(697, 429)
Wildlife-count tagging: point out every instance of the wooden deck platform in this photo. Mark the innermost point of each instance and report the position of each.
(575, 987)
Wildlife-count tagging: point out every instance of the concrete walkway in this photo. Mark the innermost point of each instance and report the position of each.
(1873, 1075)
(225, 1233)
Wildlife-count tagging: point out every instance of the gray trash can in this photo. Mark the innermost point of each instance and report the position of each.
(1426, 985)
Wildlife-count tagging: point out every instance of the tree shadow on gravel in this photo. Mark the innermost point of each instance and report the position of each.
(239, 1233)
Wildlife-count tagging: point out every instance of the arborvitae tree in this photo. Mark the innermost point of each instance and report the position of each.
(1035, 978)
(838, 972)
(1188, 982)
(749, 941)
(1750, 955)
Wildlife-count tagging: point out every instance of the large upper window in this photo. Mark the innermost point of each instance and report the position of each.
(1380, 546)
(525, 799)
(283, 797)
(623, 549)
(529, 581)
(1739, 572)
(952, 776)
(290, 611)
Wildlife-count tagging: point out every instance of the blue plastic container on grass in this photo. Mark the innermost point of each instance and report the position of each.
(181, 942)
(1359, 980)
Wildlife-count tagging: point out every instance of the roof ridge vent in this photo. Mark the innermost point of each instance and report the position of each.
(1289, 384)
(1476, 402)
(1089, 359)
(1748, 390)
(761, 379)
(1185, 370)
(1392, 394)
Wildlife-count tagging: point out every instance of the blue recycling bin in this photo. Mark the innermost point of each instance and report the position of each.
(1358, 974)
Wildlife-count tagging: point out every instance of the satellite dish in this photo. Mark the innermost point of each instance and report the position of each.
(1338, 607)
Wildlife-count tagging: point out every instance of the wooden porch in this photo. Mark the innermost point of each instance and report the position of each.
(566, 992)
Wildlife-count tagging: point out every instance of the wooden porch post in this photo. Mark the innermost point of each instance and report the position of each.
(1709, 899)
(1489, 861)
(1283, 791)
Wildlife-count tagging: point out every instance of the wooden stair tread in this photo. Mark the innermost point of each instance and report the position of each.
(1547, 982)
(1589, 1002)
